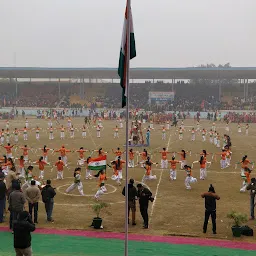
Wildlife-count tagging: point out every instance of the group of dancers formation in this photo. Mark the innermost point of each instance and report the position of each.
(141, 159)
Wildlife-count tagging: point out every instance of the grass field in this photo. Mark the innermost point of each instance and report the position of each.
(175, 210)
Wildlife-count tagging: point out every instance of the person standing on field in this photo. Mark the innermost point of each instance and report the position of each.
(32, 194)
(17, 202)
(48, 193)
(132, 196)
(144, 195)
(210, 208)
(252, 188)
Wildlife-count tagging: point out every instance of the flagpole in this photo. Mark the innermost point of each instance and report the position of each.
(127, 120)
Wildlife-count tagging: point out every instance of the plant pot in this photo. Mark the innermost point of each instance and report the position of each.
(237, 231)
(96, 223)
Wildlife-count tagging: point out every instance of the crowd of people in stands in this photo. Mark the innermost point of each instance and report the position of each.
(188, 97)
(235, 117)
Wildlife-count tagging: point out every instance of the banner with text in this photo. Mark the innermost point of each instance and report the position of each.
(161, 97)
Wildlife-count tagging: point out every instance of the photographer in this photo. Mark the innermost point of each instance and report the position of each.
(22, 237)
(132, 196)
(252, 188)
(48, 193)
(144, 195)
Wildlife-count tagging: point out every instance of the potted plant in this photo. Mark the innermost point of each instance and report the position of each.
(238, 219)
(98, 209)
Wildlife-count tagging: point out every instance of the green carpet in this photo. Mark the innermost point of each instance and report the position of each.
(54, 245)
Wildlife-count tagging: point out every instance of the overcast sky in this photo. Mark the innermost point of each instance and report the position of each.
(87, 33)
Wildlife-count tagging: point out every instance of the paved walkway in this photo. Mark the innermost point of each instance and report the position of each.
(90, 243)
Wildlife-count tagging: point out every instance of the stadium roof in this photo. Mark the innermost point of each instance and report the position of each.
(136, 73)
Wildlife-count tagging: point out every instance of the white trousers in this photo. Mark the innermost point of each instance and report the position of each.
(148, 177)
(173, 174)
(41, 176)
(164, 164)
(22, 172)
(203, 173)
(78, 185)
(25, 136)
(131, 163)
(83, 134)
(98, 134)
(2, 140)
(193, 137)
(163, 136)
(60, 175)
(26, 158)
(189, 180)
(64, 159)
(88, 174)
(116, 178)
(203, 137)
(116, 135)
(183, 162)
(180, 136)
(211, 140)
(72, 135)
(7, 139)
(16, 138)
(9, 155)
(51, 137)
(62, 135)
(100, 192)
(37, 136)
(120, 174)
(244, 185)
(246, 131)
(223, 163)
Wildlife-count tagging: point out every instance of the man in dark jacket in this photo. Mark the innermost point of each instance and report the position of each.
(210, 208)
(22, 237)
(144, 195)
(17, 201)
(132, 196)
(252, 188)
(48, 193)
(3, 191)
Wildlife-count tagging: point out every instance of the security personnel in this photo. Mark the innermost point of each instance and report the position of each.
(144, 195)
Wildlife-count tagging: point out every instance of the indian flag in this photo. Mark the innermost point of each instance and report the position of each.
(122, 68)
(98, 163)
